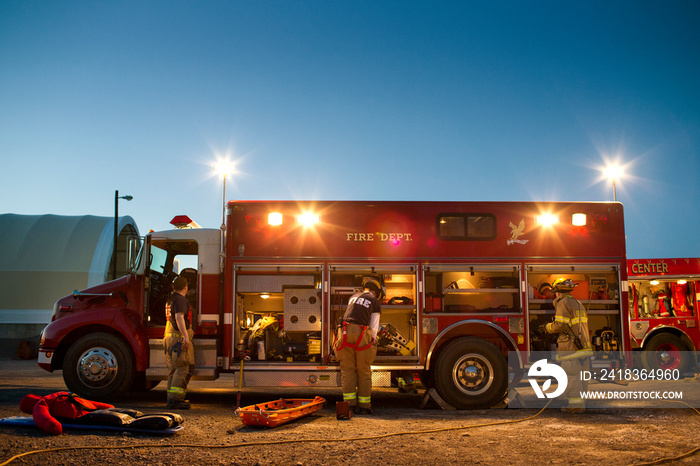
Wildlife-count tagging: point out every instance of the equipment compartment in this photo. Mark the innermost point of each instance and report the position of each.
(279, 316)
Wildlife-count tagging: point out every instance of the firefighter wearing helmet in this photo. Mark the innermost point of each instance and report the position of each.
(573, 343)
(355, 345)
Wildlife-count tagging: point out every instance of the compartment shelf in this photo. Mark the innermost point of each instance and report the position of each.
(592, 312)
(583, 301)
(479, 290)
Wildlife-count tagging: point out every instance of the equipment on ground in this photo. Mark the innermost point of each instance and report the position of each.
(275, 413)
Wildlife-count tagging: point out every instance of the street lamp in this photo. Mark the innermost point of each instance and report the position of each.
(116, 221)
(613, 172)
(224, 168)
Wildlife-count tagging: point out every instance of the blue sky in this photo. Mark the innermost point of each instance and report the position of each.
(389, 100)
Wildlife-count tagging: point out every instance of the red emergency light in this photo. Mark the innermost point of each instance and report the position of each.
(183, 221)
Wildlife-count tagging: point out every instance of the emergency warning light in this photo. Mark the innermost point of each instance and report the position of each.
(183, 221)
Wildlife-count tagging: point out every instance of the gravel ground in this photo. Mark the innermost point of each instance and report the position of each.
(398, 433)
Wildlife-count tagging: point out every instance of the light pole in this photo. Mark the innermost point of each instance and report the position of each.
(224, 168)
(613, 172)
(116, 221)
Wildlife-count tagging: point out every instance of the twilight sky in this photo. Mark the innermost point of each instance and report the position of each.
(447, 100)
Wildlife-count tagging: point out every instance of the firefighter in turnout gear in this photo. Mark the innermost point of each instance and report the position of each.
(177, 343)
(355, 345)
(573, 343)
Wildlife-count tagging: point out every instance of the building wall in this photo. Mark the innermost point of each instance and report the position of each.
(46, 257)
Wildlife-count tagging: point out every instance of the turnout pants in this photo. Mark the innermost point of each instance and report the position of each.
(573, 368)
(180, 365)
(356, 366)
(575, 385)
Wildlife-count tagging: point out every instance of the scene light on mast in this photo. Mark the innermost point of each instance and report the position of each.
(224, 168)
(613, 172)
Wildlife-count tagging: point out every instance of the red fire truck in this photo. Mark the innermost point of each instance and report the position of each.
(465, 282)
(663, 297)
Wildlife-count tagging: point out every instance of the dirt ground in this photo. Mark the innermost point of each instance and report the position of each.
(398, 433)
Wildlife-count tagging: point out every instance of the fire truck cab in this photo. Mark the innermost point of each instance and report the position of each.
(664, 296)
(465, 283)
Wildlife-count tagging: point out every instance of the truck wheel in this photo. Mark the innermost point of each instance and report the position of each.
(98, 366)
(471, 373)
(666, 351)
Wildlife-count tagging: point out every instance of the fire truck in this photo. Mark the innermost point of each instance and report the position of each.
(663, 305)
(464, 284)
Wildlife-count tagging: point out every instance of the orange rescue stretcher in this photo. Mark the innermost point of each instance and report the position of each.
(275, 413)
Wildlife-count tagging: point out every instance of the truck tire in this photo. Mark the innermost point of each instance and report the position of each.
(666, 351)
(98, 366)
(471, 373)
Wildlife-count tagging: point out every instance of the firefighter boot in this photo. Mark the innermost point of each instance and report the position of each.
(359, 410)
(178, 404)
(405, 387)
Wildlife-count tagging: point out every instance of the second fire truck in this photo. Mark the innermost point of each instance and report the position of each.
(664, 296)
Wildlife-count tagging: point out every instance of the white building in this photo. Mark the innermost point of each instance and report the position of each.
(46, 257)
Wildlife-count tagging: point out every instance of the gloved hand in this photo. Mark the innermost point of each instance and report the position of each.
(542, 329)
(176, 347)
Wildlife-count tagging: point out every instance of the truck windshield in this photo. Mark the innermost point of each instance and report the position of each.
(158, 259)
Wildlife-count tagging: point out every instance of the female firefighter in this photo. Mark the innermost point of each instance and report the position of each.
(355, 346)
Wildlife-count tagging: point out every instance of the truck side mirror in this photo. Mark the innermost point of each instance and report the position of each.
(134, 244)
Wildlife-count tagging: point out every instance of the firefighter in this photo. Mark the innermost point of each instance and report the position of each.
(177, 342)
(355, 346)
(574, 341)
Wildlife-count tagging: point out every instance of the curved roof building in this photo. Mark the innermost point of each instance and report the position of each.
(46, 257)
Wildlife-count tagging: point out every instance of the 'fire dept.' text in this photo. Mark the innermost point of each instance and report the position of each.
(382, 237)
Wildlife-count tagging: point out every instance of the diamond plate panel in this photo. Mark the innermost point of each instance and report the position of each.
(204, 359)
(283, 378)
(381, 379)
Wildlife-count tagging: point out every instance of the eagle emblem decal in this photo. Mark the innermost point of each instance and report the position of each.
(516, 232)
